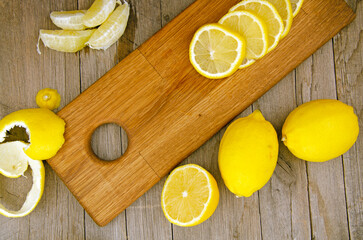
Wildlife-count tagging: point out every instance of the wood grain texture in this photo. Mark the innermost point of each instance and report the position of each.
(161, 108)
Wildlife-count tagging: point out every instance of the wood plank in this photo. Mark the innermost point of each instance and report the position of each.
(348, 52)
(284, 204)
(316, 80)
(22, 74)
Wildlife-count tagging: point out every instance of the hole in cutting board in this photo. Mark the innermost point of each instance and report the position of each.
(109, 141)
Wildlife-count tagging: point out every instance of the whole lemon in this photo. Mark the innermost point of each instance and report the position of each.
(320, 130)
(248, 154)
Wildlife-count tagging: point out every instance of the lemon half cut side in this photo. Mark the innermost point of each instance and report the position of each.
(36, 191)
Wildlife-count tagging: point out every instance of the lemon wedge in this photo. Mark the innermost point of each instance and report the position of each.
(98, 12)
(68, 20)
(268, 13)
(190, 195)
(216, 52)
(111, 30)
(13, 160)
(44, 128)
(253, 29)
(65, 40)
(34, 195)
(285, 10)
(296, 6)
(48, 98)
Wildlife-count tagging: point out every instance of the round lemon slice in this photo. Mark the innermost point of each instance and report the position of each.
(190, 195)
(111, 30)
(253, 29)
(216, 52)
(65, 40)
(285, 10)
(68, 20)
(98, 12)
(36, 191)
(268, 13)
(296, 6)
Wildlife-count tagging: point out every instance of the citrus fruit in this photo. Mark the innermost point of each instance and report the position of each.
(248, 154)
(296, 6)
(252, 29)
(13, 163)
(36, 191)
(98, 12)
(190, 195)
(48, 98)
(111, 30)
(285, 11)
(68, 20)
(216, 52)
(268, 13)
(320, 130)
(65, 40)
(44, 128)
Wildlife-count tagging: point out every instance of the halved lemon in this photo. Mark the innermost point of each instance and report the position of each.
(98, 12)
(216, 52)
(65, 40)
(190, 195)
(112, 29)
(36, 192)
(253, 29)
(68, 20)
(268, 13)
(296, 6)
(285, 11)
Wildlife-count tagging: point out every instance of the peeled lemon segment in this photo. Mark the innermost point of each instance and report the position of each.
(98, 12)
(296, 6)
(34, 195)
(13, 160)
(285, 10)
(65, 40)
(251, 28)
(68, 20)
(48, 98)
(268, 13)
(44, 128)
(111, 30)
(216, 52)
(190, 195)
(248, 154)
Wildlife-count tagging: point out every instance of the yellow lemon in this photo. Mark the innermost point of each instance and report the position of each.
(190, 195)
(13, 153)
(48, 98)
(320, 130)
(248, 154)
(44, 128)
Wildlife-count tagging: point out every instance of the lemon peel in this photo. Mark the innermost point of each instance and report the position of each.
(48, 98)
(44, 128)
(13, 163)
(34, 195)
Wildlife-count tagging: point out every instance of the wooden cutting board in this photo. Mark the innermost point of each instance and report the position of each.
(167, 109)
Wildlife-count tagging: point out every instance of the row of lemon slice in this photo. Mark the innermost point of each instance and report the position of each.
(249, 31)
(78, 27)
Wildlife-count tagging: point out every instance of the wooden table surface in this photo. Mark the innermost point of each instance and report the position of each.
(301, 201)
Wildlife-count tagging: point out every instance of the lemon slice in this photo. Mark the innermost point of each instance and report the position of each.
(111, 30)
(36, 191)
(48, 98)
(190, 195)
(253, 29)
(68, 20)
(13, 160)
(296, 6)
(44, 128)
(268, 13)
(216, 52)
(98, 12)
(65, 40)
(285, 11)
